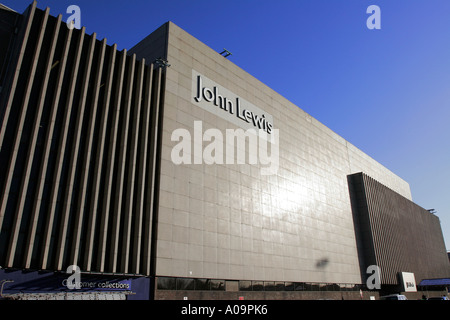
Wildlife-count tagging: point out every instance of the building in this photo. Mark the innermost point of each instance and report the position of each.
(166, 171)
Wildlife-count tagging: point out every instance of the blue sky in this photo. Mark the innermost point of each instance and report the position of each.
(386, 91)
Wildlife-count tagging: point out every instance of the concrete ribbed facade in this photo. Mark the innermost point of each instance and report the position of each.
(78, 146)
(394, 233)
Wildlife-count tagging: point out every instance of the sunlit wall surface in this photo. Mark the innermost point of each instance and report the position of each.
(231, 221)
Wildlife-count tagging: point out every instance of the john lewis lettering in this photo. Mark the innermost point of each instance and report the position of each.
(228, 105)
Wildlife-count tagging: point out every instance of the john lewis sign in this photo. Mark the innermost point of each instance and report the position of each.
(225, 104)
(408, 281)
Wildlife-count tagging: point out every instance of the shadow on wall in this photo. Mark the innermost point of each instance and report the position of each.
(322, 263)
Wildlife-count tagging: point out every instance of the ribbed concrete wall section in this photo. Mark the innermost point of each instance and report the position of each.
(78, 145)
(395, 233)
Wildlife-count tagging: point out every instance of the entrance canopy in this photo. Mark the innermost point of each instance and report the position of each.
(435, 282)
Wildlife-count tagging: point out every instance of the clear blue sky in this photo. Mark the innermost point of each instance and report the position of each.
(386, 91)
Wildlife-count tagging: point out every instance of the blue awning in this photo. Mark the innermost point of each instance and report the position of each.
(435, 282)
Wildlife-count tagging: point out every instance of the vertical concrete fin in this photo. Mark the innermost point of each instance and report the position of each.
(142, 170)
(17, 140)
(150, 246)
(87, 156)
(62, 148)
(44, 91)
(121, 166)
(74, 152)
(48, 142)
(32, 147)
(24, 37)
(131, 164)
(98, 163)
(106, 207)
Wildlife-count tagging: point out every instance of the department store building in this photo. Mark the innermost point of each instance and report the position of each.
(167, 172)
